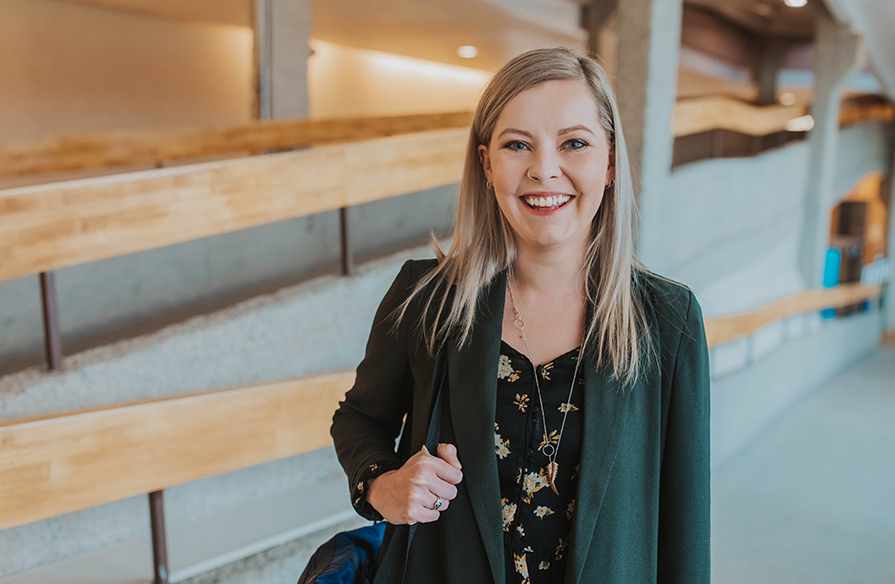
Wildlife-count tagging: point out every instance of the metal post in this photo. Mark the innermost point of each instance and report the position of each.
(344, 232)
(717, 143)
(52, 337)
(159, 544)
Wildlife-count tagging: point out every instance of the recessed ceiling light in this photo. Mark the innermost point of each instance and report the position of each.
(467, 51)
(795, 3)
(788, 98)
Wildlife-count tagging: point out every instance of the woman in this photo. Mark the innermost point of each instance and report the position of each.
(592, 466)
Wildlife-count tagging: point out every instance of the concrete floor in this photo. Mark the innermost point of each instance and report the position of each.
(812, 501)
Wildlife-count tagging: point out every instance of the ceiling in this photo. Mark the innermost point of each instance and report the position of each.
(501, 29)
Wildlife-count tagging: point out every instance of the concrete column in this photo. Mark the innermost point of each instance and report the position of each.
(595, 14)
(282, 31)
(770, 59)
(839, 54)
(649, 38)
(889, 292)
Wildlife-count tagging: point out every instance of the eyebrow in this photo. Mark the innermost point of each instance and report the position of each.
(560, 133)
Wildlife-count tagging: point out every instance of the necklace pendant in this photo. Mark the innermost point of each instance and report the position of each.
(552, 470)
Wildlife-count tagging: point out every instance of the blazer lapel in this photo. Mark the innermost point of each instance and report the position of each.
(605, 406)
(472, 383)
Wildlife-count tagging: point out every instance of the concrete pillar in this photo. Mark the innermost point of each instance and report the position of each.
(282, 32)
(839, 54)
(595, 14)
(889, 292)
(767, 66)
(649, 38)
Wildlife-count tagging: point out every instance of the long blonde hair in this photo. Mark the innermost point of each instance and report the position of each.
(482, 243)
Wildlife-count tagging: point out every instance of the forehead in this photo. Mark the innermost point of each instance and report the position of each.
(551, 105)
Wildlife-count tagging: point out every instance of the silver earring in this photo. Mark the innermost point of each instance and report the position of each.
(489, 185)
(611, 184)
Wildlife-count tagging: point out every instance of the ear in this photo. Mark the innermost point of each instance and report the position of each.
(485, 160)
(610, 168)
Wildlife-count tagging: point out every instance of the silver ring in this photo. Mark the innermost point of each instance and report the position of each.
(438, 504)
(528, 174)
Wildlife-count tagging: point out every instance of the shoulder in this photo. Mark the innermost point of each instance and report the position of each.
(673, 305)
(414, 270)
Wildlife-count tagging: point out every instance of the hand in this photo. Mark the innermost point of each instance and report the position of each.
(407, 495)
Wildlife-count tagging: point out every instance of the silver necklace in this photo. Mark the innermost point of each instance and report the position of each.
(548, 449)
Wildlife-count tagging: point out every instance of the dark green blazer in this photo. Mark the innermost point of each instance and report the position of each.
(643, 501)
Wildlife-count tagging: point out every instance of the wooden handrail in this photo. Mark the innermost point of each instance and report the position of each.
(51, 226)
(55, 464)
(133, 148)
(702, 114)
(724, 329)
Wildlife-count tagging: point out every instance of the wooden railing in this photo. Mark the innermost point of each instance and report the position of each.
(702, 114)
(123, 149)
(724, 329)
(51, 226)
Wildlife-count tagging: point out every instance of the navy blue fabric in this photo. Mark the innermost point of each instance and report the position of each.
(343, 558)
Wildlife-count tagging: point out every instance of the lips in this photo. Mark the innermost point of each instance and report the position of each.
(546, 202)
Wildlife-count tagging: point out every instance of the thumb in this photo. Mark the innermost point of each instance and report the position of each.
(448, 452)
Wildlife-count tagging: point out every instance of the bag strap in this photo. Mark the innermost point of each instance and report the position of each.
(394, 565)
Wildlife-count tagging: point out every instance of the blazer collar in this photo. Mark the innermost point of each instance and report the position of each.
(472, 388)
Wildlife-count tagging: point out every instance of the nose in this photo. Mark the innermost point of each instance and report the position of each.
(544, 167)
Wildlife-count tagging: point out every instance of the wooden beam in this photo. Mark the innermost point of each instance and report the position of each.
(109, 150)
(701, 114)
(724, 329)
(47, 227)
(60, 463)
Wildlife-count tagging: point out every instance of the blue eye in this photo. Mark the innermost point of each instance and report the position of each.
(512, 145)
(581, 144)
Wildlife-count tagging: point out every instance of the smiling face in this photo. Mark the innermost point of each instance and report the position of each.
(549, 162)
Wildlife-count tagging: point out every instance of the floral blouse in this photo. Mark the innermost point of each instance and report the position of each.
(537, 523)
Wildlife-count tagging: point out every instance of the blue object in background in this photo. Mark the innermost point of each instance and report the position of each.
(832, 265)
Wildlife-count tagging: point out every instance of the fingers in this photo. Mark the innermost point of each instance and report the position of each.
(448, 453)
(445, 470)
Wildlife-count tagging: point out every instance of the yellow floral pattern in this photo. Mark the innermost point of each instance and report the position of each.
(536, 521)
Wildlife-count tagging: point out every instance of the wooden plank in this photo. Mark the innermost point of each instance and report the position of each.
(121, 149)
(724, 329)
(47, 227)
(61, 463)
(701, 114)
(888, 339)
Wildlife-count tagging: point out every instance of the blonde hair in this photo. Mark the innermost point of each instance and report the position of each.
(482, 243)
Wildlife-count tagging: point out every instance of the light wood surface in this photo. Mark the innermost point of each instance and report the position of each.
(47, 227)
(724, 329)
(61, 463)
(123, 149)
(888, 339)
(701, 114)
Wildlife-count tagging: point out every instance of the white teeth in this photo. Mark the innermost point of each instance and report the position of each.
(551, 201)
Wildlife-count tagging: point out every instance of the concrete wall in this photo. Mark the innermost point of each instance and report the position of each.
(731, 227)
(71, 69)
(114, 292)
(317, 326)
(346, 81)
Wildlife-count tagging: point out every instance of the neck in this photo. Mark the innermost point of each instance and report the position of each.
(550, 271)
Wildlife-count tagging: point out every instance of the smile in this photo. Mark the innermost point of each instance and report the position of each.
(549, 203)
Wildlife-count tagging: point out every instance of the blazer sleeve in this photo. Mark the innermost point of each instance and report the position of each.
(685, 488)
(368, 421)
